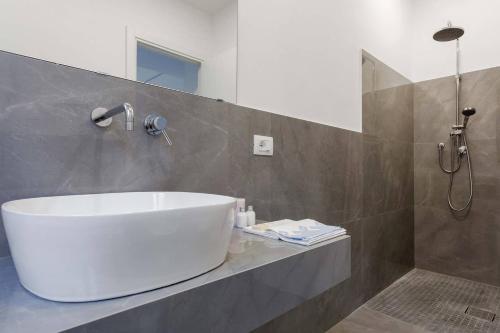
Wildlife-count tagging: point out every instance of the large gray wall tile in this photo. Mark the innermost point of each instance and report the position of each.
(308, 174)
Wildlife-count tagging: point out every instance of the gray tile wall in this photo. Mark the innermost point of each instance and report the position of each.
(363, 182)
(465, 246)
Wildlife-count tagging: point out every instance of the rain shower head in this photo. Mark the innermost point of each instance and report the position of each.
(448, 34)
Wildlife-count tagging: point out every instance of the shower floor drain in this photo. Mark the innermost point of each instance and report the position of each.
(480, 313)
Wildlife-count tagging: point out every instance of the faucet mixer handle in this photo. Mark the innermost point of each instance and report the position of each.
(164, 132)
(156, 125)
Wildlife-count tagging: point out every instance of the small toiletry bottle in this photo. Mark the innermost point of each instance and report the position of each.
(250, 216)
(240, 203)
(241, 220)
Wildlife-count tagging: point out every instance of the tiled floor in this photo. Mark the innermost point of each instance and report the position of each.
(424, 301)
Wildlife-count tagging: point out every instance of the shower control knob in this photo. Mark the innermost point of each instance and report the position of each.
(156, 125)
(159, 123)
(441, 146)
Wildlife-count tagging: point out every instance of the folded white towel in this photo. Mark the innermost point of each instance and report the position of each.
(265, 229)
(304, 232)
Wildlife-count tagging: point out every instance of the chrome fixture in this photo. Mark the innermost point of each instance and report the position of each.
(156, 125)
(448, 33)
(467, 112)
(458, 139)
(102, 117)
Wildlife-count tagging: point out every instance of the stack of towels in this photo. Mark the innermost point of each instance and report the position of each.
(303, 232)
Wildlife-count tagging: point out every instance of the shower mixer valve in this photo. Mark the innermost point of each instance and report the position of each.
(462, 150)
(156, 125)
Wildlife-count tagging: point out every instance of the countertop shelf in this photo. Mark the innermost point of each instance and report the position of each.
(250, 258)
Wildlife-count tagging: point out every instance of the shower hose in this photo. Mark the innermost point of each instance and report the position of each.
(456, 152)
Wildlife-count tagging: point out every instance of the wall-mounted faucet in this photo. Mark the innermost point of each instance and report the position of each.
(102, 117)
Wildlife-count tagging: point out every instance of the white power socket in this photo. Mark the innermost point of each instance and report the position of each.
(263, 145)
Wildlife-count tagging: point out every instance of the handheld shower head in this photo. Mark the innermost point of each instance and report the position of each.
(467, 112)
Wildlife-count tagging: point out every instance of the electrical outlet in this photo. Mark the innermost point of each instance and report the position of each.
(263, 145)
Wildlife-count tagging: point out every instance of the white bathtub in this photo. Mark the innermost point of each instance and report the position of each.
(99, 246)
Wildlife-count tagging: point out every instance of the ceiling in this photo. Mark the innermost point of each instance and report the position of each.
(210, 6)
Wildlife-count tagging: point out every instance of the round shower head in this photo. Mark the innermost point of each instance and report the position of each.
(449, 33)
(468, 112)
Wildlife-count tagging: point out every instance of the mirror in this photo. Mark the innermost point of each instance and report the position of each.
(187, 45)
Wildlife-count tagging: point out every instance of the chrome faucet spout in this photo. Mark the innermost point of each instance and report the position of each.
(129, 117)
(103, 117)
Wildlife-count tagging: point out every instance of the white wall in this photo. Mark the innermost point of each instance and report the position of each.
(480, 45)
(303, 58)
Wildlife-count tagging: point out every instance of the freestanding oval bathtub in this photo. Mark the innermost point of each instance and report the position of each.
(99, 246)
